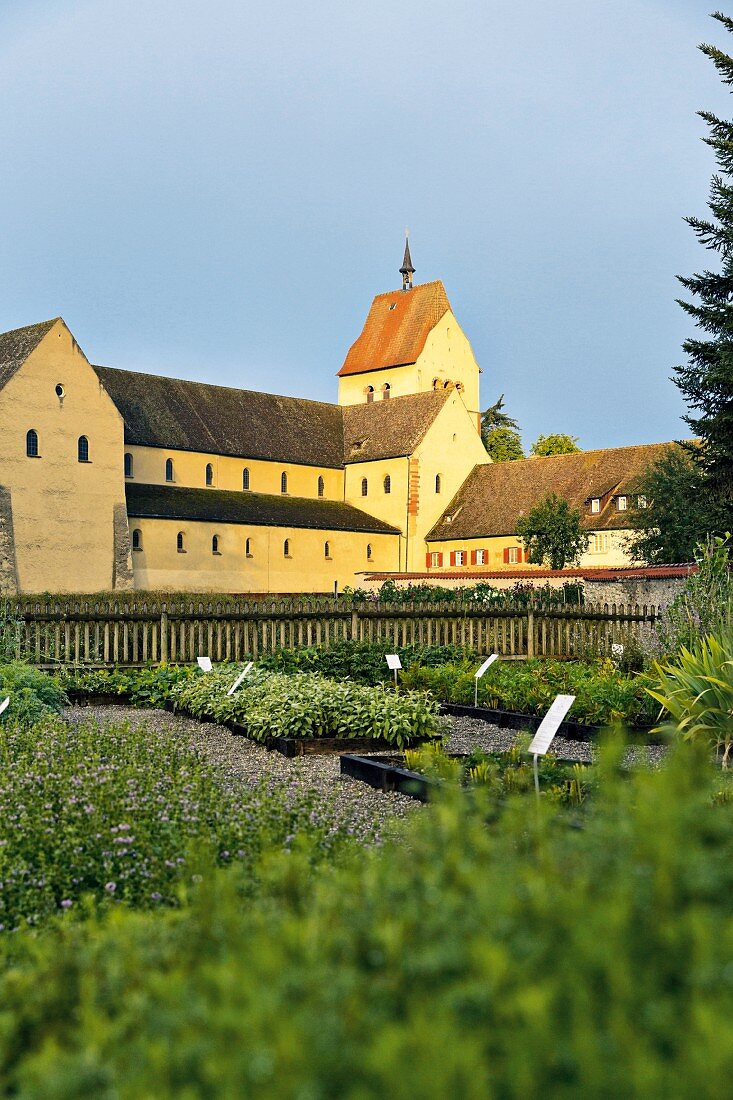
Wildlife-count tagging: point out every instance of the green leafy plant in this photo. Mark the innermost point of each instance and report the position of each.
(697, 692)
(33, 694)
(552, 533)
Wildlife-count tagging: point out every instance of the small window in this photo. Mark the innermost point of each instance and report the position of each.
(215, 544)
(327, 550)
(622, 504)
(169, 469)
(321, 486)
(480, 557)
(595, 504)
(364, 486)
(286, 546)
(180, 543)
(437, 483)
(600, 543)
(82, 449)
(283, 482)
(369, 391)
(460, 557)
(641, 501)
(137, 539)
(388, 484)
(436, 383)
(209, 474)
(248, 548)
(460, 387)
(128, 464)
(245, 478)
(513, 555)
(31, 443)
(60, 392)
(386, 391)
(369, 551)
(436, 559)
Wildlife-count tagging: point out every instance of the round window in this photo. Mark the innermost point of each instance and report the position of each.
(59, 390)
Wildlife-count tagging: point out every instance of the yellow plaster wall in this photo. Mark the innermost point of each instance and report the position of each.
(614, 557)
(189, 470)
(159, 565)
(62, 509)
(390, 507)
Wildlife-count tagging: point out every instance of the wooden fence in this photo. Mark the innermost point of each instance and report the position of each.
(54, 633)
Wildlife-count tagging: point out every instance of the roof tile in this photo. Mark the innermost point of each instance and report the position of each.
(396, 328)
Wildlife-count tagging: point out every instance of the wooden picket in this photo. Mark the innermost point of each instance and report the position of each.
(132, 633)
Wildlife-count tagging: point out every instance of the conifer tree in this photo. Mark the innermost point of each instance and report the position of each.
(706, 381)
(500, 433)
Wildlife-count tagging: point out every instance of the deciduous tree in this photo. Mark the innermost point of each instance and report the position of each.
(552, 533)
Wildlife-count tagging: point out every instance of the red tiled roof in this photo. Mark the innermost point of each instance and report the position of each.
(396, 329)
(591, 573)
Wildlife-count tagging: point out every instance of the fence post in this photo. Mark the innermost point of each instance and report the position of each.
(354, 625)
(530, 631)
(163, 636)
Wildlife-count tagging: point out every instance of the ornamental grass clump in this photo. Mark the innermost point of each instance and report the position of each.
(696, 691)
(122, 814)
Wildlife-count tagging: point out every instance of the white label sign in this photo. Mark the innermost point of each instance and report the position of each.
(550, 724)
(204, 664)
(5, 704)
(393, 661)
(489, 661)
(239, 678)
(617, 649)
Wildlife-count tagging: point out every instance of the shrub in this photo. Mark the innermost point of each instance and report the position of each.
(142, 687)
(32, 693)
(697, 691)
(363, 662)
(115, 812)
(524, 959)
(305, 705)
(705, 604)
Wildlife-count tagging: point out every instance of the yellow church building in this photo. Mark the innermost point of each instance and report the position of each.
(112, 479)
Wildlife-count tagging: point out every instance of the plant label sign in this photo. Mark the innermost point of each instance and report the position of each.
(487, 663)
(239, 678)
(5, 704)
(204, 664)
(550, 724)
(393, 662)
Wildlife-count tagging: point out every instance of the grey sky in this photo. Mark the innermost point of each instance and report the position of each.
(216, 191)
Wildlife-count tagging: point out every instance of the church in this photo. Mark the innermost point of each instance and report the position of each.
(114, 480)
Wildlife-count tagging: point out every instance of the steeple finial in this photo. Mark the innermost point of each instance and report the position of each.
(407, 270)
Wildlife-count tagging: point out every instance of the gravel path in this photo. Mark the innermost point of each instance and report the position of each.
(360, 807)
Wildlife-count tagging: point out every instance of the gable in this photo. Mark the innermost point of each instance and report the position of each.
(17, 345)
(396, 328)
(389, 429)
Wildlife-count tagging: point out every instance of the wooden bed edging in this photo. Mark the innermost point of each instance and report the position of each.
(388, 777)
(510, 719)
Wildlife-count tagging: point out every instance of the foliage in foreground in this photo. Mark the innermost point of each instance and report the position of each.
(305, 705)
(521, 959)
(122, 814)
(604, 695)
(696, 690)
(32, 693)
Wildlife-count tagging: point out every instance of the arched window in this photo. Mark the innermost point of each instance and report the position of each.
(447, 384)
(169, 469)
(369, 394)
(327, 550)
(31, 443)
(321, 486)
(437, 483)
(137, 539)
(245, 478)
(386, 391)
(369, 551)
(180, 543)
(215, 544)
(460, 387)
(209, 474)
(82, 449)
(364, 486)
(128, 464)
(388, 484)
(436, 383)
(283, 482)
(248, 548)
(286, 548)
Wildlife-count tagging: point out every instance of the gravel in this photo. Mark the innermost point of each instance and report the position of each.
(369, 813)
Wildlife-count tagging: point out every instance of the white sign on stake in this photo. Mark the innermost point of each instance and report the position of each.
(204, 664)
(394, 663)
(5, 704)
(479, 673)
(547, 730)
(239, 678)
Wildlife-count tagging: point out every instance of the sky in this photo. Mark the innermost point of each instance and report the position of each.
(217, 190)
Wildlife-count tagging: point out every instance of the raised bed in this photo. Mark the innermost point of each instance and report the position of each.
(301, 746)
(98, 699)
(387, 776)
(509, 719)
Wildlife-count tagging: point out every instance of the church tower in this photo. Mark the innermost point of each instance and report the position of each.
(411, 343)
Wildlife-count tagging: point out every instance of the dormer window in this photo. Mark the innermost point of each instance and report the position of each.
(595, 505)
(622, 503)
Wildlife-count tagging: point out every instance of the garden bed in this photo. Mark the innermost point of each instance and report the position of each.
(385, 775)
(508, 719)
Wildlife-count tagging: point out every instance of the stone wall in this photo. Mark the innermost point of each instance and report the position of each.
(8, 570)
(122, 576)
(652, 591)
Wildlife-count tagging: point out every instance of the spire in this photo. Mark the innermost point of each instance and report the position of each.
(407, 270)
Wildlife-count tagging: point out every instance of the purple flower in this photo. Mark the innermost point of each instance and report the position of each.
(66, 904)
(110, 887)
